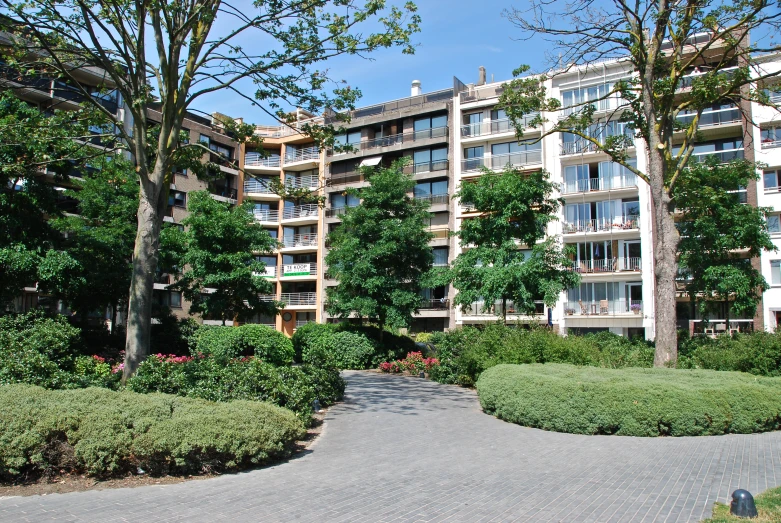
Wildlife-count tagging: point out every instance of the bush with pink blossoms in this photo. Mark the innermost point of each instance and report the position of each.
(414, 363)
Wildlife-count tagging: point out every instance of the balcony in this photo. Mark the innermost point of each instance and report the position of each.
(301, 323)
(308, 210)
(344, 178)
(712, 118)
(500, 161)
(224, 193)
(619, 223)
(687, 81)
(303, 182)
(302, 155)
(489, 127)
(396, 139)
(299, 269)
(598, 184)
(604, 307)
(333, 212)
(300, 240)
(608, 265)
(771, 144)
(435, 304)
(257, 187)
(266, 215)
(723, 156)
(606, 104)
(478, 308)
(434, 199)
(299, 299)
(440, 234)
(256, 160)
(578, 147)
(425, 167)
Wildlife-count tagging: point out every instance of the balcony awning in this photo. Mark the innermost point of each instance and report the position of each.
(370, 162)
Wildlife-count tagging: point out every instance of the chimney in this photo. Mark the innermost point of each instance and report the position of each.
(481, 77)
(416, 90)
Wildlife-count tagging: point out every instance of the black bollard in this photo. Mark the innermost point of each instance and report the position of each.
(422, 374)
(742, 504)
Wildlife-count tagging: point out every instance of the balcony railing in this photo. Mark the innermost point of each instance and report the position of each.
(713, 118)
(256, 160)
(519, 159)
(257, 186)
(266, 215)
(475, 94)
(268, 272)
(602, 225)
(578, 146)
(489, 127)
(603, 307)
(299, 298)
(424, 167)
(434, 198)
(300, 155)
(607, 265)
(598, 184)
(300, 240)
(301, 323)
(300, 211)
(344, 178)
(605, 104)
(435, 304)
(333, 212)
(267, 297)
(770, 144)
(226, 192)
(299, 269)
(434, 132)
(688, 80)
(440, 234)
(303, 182)
(479, 308)
(723, 156)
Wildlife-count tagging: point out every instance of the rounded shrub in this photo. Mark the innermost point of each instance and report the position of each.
(311, 335)
(631, 401)
(340, 350)
(106, 433)
(225, 343)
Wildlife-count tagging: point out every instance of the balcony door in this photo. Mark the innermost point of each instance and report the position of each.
(634, 294)
(576, 178)
(632, 255)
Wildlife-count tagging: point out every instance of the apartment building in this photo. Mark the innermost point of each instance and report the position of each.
(293, 159)
(418, 129)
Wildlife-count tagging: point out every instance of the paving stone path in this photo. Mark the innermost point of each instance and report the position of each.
(406, 449)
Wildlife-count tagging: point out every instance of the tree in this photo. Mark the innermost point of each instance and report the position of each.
(32, 142)
(514, 211)
(380, 253)
(654, 39)
(221, 277)
(720, 235)
(173, 53)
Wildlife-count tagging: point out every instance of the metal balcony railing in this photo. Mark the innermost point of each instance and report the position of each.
(301, 323)
(435, 304)
(577, 147)
(606, 104)
(299, 269)
(300, 240)
(267, 297)
(607, 265)
(300, 211)
(299, 298)
(688, 80)
(713, 118)
(425, 167)
(256, 160)
(770, 144)
(257, 186)
(603, 307)
(519, 159)
(434, 198)
(599, 184)
(303, 182)
(304, 154)
(723, 156)
(266, 215)
(602, 225)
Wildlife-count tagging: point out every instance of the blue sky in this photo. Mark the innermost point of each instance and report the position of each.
(457, 36)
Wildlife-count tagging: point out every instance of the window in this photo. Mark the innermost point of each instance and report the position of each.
(430, 127)
(351, 137)
(429, 189)
(339, 201)
(181, 171)
(774, 224)
(498, 114)
(274, 233)
(222, 150)
(172, 299)
(771, 180)
(268, 261)
(204, 140)
(440, 256)
(426, 160)
(473, 158)
(771, 137)
(177, 199)
(175, 299)
(775, 272)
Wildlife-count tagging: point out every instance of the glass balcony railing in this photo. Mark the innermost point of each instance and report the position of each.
(489, 127)
(598, 184)
(723, 156)
(434, 198)
(713, 118)
(518, 159)
(617, 223)
(603, 307)
(607, 265)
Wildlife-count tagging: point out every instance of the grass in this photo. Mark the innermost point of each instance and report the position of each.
(768, 506)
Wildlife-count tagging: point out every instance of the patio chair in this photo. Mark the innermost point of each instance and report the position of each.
(583, 308)
(603, 307)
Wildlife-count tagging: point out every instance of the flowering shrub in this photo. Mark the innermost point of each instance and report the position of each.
(413, 363)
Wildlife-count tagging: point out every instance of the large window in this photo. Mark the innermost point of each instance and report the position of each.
(340, 201)
(473, 158)
(426, 160)
(430, 127)
(771, 180)
(222, 150)
(429, 189)
(177, 199)
(351, 138)
(775, 272)
(774, 224)
(516, 154)
(440, 256)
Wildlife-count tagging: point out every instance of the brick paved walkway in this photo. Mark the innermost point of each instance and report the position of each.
(406, 449)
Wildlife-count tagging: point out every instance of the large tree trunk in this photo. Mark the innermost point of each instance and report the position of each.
(665, 242)
(151, 208)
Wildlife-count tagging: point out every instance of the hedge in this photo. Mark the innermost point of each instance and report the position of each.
(105, 433)
(631, 401)
(225, 343)
(756, 353)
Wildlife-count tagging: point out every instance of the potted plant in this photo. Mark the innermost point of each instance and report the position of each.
(635, 307)
(569, 312)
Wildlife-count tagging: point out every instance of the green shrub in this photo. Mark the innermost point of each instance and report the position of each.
(225, 343)
(311, 335)
(757, 353)
(340, 350)
(104, 433)
(631, 401)
(212, 379)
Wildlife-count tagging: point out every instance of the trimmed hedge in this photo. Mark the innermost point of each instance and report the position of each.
(225, 343)
(631, 401)
(294, 388)
(105, 433)
(340, 350)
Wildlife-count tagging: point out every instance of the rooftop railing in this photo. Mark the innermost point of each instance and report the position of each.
(475, 94)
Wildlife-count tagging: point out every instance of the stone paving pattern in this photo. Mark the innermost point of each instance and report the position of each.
(407, 449)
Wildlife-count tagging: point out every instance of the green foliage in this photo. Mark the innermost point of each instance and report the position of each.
(514, 208)
(220, 243)
(377, 279)
(104, 433)
(294, 388)
(466, 352)
(311, 335)
(631, 401)
(757, 353)
(52, 337)
(768, 509)
(341, 350)
(225, 343)
(714, 226)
